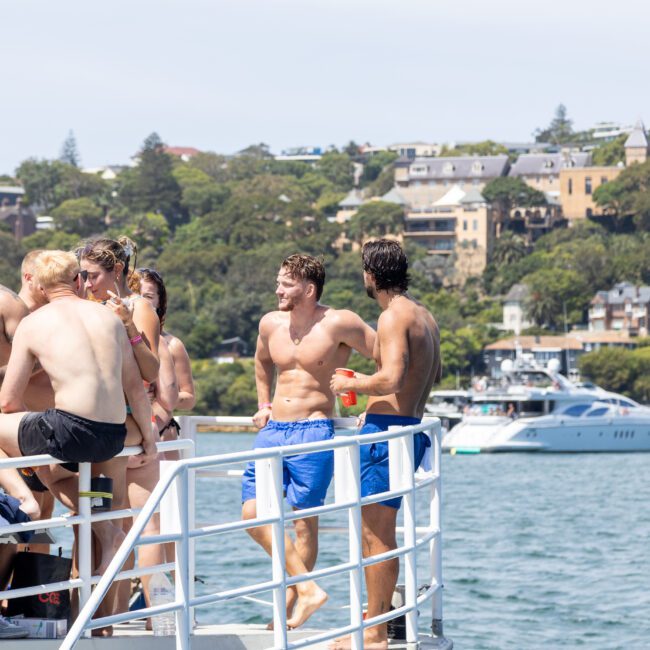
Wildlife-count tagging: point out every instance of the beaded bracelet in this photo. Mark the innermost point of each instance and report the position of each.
(264, 405)
(136, 339)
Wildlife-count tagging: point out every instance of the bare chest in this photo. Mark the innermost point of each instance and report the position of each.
(315, 350)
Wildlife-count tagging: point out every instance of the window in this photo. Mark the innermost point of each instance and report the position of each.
(576, 410)
(603, 180)
(477, 167)
(598, 412)
(587, 184)
(448, 169)
(418, 170)
(570, 186)
(464, 224)
(475, 224)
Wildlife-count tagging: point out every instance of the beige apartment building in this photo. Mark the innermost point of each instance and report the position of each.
(577, 185)
(460, 223)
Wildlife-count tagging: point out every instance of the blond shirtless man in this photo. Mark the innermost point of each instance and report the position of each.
(407, 353)
(84, 350)
(303, 342)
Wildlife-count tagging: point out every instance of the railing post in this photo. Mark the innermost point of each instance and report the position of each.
(435, 519)
(347, 487)
(182, 578)
(85, 539)
(402, 475)
(269, 501)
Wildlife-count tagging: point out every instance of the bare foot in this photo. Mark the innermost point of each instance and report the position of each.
(110, 537)
(29, 506)
(103, 631)
(292, 594)
(370, 642)
(306, 605)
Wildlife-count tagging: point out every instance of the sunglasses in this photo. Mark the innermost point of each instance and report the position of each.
(83, 273)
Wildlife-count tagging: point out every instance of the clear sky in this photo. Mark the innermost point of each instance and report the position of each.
(221, 74)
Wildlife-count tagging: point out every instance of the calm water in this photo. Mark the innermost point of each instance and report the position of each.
(539, 551)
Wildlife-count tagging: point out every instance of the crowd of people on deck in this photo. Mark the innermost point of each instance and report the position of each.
(90, 369)
(87, 368)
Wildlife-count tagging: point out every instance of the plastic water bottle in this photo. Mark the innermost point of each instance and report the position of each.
(161, 592)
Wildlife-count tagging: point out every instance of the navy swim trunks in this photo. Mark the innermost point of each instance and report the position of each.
(306, 477)
(374, 457)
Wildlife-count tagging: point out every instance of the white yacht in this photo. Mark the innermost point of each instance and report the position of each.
(541, 410)
(448, 405)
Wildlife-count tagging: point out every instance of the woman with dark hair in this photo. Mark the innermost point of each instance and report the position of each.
(106, 265)
(152, 288)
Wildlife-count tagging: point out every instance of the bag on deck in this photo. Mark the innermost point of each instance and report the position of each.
(31, 569)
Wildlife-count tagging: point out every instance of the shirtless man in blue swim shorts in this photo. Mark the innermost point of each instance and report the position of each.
(303, 342)
(407, 352)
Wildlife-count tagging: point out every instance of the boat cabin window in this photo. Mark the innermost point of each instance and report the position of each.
(598, 411)
(576, 410)
(619, 401)
(531, 408)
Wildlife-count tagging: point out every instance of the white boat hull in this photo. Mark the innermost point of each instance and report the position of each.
(626, 433)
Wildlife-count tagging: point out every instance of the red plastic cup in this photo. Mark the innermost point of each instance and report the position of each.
(349, 398)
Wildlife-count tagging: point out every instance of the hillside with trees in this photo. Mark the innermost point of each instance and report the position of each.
(217, 228)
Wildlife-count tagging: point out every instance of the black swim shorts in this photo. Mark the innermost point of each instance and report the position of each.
(31, 479)
(69, 437)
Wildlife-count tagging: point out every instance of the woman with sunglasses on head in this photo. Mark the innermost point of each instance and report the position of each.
(152, 288)
(106, 262)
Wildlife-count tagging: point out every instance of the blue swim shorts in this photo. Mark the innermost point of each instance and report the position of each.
(374, 457)
(306, 477)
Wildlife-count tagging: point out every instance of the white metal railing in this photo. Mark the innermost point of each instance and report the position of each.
(176, 486)
(83, 519)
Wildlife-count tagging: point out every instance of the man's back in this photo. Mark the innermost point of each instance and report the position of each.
(412, 325)
(12, 311)
(79, 345)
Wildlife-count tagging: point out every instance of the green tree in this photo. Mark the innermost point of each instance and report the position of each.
(11, 255)
(506, 193)
(151, 186)
(200, 193)
(69, 151)
(509, 249)
(610, 153)
(376, 164)
(79, 216)
(41, 179)
(337, 168)
(559, 130)
(484, 148)
(626, 196)
(376, 219)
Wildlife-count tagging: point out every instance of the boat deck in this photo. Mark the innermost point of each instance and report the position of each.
(206, 637)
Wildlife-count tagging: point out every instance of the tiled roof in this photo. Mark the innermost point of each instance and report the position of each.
(540, 164)
(393, 196)
(352, 200)
(459, 167)
(517, 293)
(530, 342)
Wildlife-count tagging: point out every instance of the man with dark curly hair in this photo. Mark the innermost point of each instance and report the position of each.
(407, 352)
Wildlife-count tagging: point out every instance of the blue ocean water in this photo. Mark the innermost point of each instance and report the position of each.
(539, 551)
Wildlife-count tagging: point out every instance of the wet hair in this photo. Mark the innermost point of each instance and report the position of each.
(386, 261)
(27, 265)
(307, 269)
(52, 268)
(151, 275)
(108, 252)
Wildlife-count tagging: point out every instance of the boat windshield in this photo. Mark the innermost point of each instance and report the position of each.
(512, 408)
